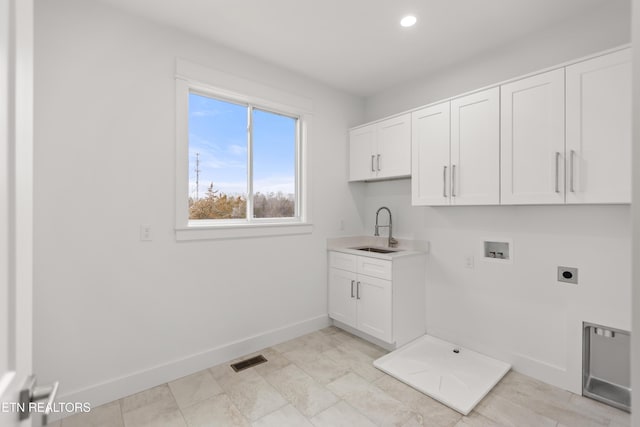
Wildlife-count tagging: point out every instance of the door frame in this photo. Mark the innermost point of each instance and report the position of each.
(16, 199)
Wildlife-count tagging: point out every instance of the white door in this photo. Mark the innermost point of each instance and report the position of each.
(430, 169)
(16, 111)
(362, 155)
(599, 129)
(475, 148)
(342, 296)
(532, 140)
(393, 158)
(374, 307)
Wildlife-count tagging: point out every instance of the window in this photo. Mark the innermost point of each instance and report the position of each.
(242, 159)
(239, 165)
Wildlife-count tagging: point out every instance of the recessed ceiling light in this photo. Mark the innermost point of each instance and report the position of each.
(408, 21)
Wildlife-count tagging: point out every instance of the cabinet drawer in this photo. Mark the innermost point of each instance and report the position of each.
(342, 261)
(374, 267)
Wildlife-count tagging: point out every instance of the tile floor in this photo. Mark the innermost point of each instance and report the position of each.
(326, 378)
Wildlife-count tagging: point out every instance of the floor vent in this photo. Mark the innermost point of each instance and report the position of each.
(246, 364)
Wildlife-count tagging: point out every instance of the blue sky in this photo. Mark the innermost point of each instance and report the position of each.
(217, 131)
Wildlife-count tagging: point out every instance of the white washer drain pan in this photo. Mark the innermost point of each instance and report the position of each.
(458, 379)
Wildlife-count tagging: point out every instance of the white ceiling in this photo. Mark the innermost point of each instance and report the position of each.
(358, 45)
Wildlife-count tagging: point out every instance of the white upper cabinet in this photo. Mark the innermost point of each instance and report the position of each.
(456, 151)
(381, 150)
(430, 155)
(560, 136)
(532, 140)
(598, 126)
(362, 146)
(475, 148)
(394, 147)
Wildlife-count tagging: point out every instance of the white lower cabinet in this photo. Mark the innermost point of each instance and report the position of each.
(384, 299)
(374, 307)
(342, 306)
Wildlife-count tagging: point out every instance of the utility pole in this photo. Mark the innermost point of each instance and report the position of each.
(197, 176)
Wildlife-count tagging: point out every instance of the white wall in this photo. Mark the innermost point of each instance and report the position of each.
(517, 312)
(112, 314)
(588, 33)
(635, 369)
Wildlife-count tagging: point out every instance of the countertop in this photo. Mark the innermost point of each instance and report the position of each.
(405, 247)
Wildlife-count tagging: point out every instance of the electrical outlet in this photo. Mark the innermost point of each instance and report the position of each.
(145, 233)
(568, 275)
(468, 261)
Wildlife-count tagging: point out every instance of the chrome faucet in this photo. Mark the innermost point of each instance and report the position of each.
(392, 242)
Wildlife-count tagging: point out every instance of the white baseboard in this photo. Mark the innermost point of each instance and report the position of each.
(364, 336)
(135, 382)
(558, 376)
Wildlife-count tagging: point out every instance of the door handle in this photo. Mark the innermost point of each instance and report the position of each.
(358, 290)
(453, 181)
(557, 171)
(444, 181)
(373, 156)
(352, 283)
(33, 393)
(572, 154)
(378, 162)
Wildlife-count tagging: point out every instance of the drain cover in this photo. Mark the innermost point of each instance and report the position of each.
(246, 364)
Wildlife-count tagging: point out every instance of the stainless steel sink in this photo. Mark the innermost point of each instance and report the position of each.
(376, 250)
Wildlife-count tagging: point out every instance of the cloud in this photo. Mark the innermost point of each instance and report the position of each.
(212, 156)
(205, 113)
(274, 184)
(237, 150)
(221, 163)
(200, 144)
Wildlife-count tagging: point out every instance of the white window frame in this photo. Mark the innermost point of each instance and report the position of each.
(189, 79)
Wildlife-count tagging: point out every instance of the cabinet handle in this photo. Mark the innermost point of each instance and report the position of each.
(352, 282)
(557, 171)
(372, 159)
(378, 162)
(453, 180)
(444, 181)
(571, 156)
(358, 290)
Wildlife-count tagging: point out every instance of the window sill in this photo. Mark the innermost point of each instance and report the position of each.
(241, 231)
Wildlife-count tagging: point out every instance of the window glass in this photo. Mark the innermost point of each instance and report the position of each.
(274, 165)
(217, 159)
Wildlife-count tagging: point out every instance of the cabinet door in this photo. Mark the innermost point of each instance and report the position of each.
(430, 169)
(393, 158)
(342, 296)
(362, 153)
(374, 307)
(475, 149)
(599, 130)
(532, 143)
